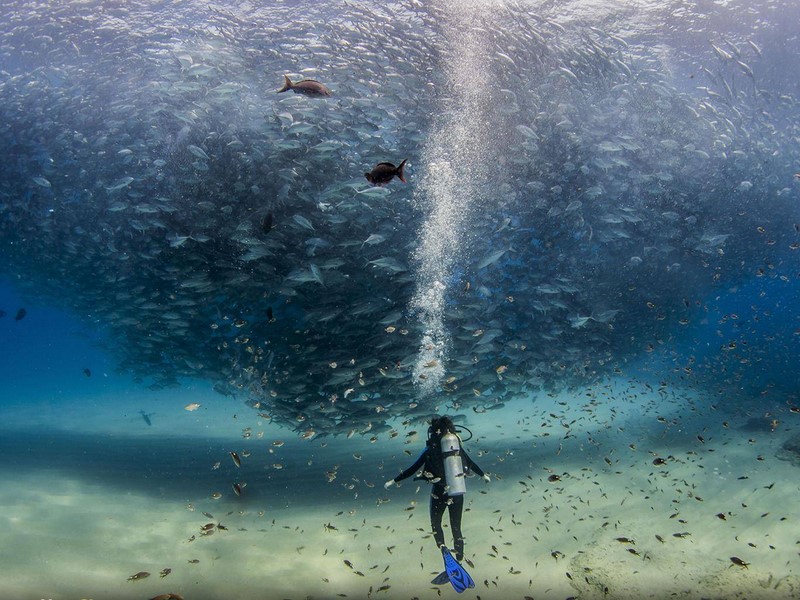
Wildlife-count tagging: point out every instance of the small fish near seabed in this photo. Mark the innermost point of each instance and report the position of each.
(384, 172)
(146, 417)
(307, 87)
(738, 561)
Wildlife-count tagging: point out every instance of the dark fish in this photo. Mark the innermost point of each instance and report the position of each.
(659, 462)
(270, 316)
(553, 478)
(308, 87)
(20, 314)
(87, 372)
(738, 561)
(145, 574)
(384, 172)
(266, 223)
(237, 489)
(2, 314)
(146, 417)
(165, 572)
(236, 460)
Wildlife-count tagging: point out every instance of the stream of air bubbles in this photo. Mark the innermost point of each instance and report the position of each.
(453, 172)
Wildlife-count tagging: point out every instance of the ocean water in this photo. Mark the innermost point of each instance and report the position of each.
(220, 338)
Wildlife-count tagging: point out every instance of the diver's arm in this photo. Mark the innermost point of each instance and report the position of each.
(409, 471)
(470, 464)
(413, 468)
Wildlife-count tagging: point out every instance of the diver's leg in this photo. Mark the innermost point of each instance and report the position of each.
(438, 504)
(455, 509)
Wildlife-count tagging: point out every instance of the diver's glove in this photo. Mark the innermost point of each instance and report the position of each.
(486, 477)
(388, 484)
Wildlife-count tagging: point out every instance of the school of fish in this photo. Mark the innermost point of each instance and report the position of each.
(157, 183)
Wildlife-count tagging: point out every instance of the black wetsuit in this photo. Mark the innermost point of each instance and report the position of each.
(432, 460)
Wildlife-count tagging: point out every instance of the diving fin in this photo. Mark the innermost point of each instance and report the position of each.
(459, 578)
(440, 579)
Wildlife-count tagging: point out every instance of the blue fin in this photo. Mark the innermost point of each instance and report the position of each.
(459, 578)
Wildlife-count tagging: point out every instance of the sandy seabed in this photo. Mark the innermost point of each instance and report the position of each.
(91, 495)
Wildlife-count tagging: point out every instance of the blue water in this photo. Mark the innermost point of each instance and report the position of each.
(751, 334)
(47, 351)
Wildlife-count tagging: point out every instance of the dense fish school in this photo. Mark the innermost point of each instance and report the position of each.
(605, 190)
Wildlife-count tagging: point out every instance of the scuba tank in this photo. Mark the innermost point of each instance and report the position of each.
(453, 466)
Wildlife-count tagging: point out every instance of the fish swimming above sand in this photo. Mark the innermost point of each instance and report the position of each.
(307, 87)
(384, 172)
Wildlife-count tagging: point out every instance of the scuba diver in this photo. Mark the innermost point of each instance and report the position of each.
(445, 464)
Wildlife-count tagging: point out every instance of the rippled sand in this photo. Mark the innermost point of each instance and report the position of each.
(92, 495)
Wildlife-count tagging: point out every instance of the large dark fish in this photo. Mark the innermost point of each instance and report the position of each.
(309, 87)
(384, 172)
(21, 314)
